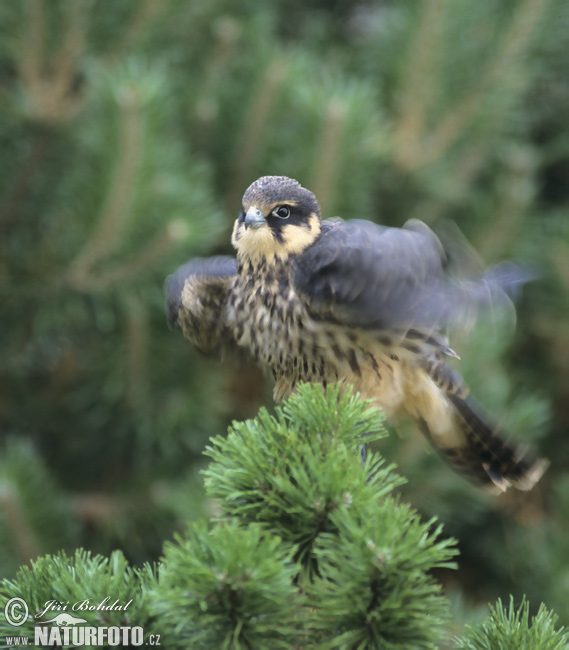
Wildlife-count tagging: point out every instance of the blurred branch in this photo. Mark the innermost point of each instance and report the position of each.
(96, 508)
(250, 143)
(517, 192)
(328, 162)
(117, 206)
(419, 83)
(147, 11)
(227, 31)
(140, 263)
(558, 255)
(457, 182)
(20, 185)
(15, 518)
(136, 362)
(508, 57)
(50, 85)
(416, 149)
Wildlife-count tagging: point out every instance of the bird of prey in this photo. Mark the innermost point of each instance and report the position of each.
(350, 302)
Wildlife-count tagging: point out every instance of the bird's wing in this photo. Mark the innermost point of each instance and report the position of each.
(388, 279)
(195, 299)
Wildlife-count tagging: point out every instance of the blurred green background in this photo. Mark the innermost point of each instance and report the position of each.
(128, 133)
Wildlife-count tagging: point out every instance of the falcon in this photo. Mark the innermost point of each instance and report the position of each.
(350, 302)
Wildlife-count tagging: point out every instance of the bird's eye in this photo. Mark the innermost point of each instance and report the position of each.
(282, 212)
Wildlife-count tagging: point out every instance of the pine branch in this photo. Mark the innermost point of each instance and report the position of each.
(363, 557)
(61, 579)
(511, 629)
(312, 550)
(231, 587)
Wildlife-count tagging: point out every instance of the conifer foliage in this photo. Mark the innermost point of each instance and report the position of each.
(363, 558)
(82, 585)
(509, 628)
(311, 550)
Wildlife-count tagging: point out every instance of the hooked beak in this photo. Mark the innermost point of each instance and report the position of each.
(254, 218)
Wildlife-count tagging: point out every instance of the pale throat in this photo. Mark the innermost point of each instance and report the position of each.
(257, 244)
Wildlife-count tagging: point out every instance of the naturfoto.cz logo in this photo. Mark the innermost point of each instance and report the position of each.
(64, 628)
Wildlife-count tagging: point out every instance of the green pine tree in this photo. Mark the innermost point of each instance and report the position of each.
(310, 549)
(510, 629)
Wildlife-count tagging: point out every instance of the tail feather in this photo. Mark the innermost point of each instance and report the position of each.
(488, 457)
(465, 439)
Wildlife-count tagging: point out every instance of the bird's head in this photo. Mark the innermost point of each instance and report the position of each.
(279, 218)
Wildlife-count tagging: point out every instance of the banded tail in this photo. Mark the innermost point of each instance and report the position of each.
(486, 457)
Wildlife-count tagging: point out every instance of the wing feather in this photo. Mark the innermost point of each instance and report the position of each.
(388, 279)
(195, 299)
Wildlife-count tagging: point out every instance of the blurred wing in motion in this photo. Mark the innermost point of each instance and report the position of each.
(394, 284)
(392, 279)
(195, 296)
